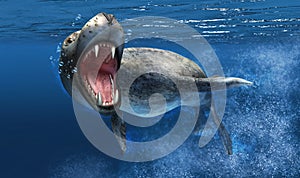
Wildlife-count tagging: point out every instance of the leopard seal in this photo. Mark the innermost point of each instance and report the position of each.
(97, 53)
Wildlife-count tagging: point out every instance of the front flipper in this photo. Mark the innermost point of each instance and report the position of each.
(119, 129)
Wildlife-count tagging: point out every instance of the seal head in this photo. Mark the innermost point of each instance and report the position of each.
(97, 52)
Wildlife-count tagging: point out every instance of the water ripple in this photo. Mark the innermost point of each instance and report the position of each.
(220, 21)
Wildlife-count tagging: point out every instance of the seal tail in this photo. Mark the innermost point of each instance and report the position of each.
(220, 83)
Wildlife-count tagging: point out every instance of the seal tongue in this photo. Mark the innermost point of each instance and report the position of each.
(105, 87)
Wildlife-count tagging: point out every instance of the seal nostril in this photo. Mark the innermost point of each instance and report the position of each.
(108, 17)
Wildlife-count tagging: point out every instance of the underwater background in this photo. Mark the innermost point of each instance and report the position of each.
(258, 40)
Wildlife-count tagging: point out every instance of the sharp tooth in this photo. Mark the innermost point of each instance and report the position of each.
(113, 50)
(90, 89)
(96, 50)
(111, 80)
(112, 86)
(116, 97)
(99, 99)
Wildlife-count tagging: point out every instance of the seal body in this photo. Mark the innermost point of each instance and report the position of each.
(108, 75)
(155, 71)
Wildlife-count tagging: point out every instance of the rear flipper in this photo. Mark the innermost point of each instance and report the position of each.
(199, 124)
(222, 131)
(209, 106)
(220, 83)
(119, 130)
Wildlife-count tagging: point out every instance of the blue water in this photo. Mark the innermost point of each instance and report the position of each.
(254, 39)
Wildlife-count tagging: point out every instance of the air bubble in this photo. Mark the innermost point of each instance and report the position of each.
(58, 48)
(74, 70)
(78, 17)
(61, 63)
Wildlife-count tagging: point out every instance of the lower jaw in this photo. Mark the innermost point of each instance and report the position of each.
(108, 107)
(106, 110)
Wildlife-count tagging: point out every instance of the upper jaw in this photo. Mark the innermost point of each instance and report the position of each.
(99, 57)
(107, 30)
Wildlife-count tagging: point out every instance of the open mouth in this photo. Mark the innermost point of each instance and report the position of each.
(98, 67)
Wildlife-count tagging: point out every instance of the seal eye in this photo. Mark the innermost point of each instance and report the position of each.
(69, 40)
